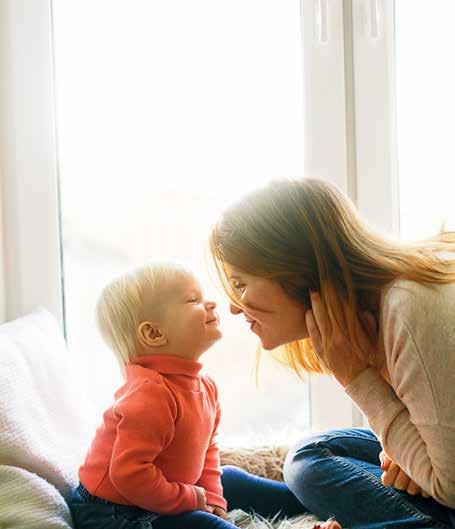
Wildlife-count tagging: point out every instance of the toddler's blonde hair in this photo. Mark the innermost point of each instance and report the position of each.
(119, 309)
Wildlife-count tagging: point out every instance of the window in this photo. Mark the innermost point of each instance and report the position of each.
(166, 111)
(227, 103)
(426, 117)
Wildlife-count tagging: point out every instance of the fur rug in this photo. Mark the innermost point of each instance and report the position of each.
(266, 462)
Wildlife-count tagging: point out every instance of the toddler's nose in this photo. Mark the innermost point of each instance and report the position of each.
(210, 305)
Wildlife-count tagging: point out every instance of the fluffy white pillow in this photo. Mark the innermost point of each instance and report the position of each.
(29, 502)
(45, 422)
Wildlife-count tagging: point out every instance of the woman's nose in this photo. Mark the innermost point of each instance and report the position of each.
(235, 309)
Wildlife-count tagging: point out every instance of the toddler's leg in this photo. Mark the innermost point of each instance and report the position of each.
(250, 493)
(192, 520)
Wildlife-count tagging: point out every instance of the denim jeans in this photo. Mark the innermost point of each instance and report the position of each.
(241, 490)
(338, 474)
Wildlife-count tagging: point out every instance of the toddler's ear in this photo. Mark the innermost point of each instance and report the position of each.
(150, 335)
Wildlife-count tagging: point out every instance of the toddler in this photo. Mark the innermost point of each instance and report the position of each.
(154, 461)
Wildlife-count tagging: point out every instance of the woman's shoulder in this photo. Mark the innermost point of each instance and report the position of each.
(418, 325)
(420, 318)
(412, 299)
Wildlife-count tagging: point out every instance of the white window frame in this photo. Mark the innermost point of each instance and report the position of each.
(350, 139)
(345, 44)
(28, 154)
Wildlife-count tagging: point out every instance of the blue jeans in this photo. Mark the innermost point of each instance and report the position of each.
(338, 474)
(241, 490)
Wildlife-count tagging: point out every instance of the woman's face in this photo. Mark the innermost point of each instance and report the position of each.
(276, 318)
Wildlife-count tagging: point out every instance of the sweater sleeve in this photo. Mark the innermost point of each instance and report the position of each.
(414, 417)
(146, 426)
(210, 478)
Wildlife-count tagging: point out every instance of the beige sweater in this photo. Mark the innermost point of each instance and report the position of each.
(415, 416)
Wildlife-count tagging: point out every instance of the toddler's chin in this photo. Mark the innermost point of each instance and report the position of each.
(216, 338)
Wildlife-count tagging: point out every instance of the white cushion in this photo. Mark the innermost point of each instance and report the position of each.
(45, 422)
(29, 502)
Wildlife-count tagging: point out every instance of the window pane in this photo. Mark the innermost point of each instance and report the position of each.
(168, 110)
(426, 115)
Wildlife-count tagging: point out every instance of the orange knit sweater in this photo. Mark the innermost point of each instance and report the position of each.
(158, 439)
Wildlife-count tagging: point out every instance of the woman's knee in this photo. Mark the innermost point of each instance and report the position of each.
(298, 462)
(309, 461)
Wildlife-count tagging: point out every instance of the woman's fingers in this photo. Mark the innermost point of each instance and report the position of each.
(337, 321)
(393, 476)
(385, 460)
(370, 324)
(390, 475)
(313, 331)
(367, 331)
(402, 481)
(319, 313)
(413, 489)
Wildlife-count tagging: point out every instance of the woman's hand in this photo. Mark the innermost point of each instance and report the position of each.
(339, 356)
(394, 477)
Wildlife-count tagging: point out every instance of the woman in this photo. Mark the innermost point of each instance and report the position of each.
(379, 316)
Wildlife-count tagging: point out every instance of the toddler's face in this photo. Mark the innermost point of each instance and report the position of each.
(192, 323)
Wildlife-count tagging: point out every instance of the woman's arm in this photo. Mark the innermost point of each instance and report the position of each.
(415, 419)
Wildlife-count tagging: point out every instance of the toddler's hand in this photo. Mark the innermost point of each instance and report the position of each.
(219, 511)
(393, 476)
(201, 499)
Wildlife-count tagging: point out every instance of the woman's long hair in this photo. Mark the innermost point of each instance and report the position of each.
(305, 234)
